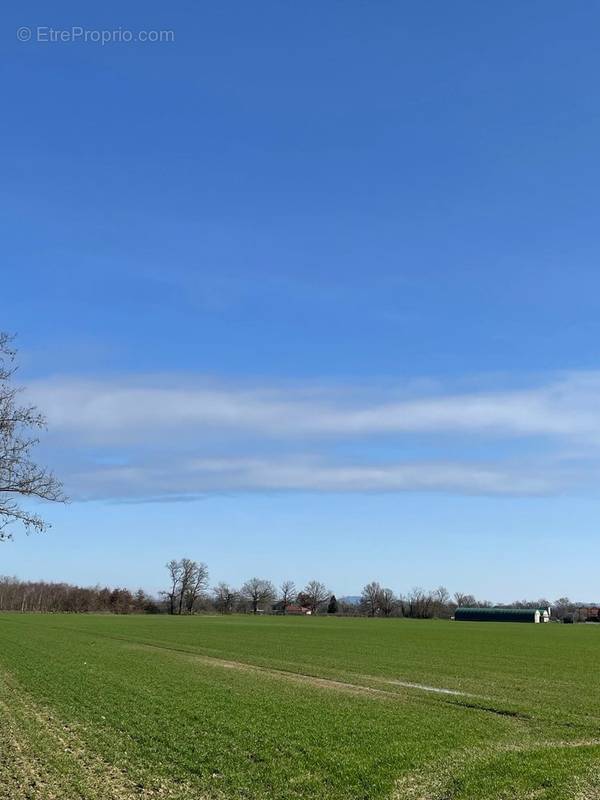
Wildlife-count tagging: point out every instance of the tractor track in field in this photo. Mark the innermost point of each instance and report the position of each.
(315, 680)
(453, 697)
(43, 758)
(311, 680)
(295, 677)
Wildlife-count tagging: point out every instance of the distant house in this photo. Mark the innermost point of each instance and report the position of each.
(291, 608)
(590, 613)
(298, 610)
(534, 615)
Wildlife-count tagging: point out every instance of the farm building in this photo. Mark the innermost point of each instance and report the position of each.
(297, 610)
(290, 608)
(502, 615)
(589, 613)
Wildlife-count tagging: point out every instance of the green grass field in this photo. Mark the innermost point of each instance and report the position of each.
(106, 707)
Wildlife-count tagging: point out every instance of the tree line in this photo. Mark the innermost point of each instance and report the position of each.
(260, 595)
(46, 596)
(189, 592)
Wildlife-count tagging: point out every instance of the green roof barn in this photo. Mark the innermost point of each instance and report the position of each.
(498, 614)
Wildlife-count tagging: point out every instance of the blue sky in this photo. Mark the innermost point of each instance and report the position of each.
(311, 291)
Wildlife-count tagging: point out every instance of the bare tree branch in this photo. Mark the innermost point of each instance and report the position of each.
(19, 475)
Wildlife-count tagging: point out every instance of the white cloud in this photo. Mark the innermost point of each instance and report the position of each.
(132, 410)
(173, 437)
(317, 476)
(183, 479)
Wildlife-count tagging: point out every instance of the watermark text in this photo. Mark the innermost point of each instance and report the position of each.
(45, 34)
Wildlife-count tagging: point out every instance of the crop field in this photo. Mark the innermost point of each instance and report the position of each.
(105, 707)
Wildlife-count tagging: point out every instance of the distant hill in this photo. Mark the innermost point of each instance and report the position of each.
(353, 599)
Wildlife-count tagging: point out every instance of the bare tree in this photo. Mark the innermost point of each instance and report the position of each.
(174, 590)
(464, 600)
(188, 579)
(316, 593)
(563, 607)
(256, 591)
(370, 598)
(441, 600)
(388, 602)
(287, 592)
(19, 475)
(420, 603)
(196, 586)
(225, 597)
(187, 571)
(441, 595)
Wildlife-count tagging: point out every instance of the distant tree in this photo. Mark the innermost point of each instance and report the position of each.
(348, 608)
(257, 591)
(104, 599)
(19, 475)
(139, 600)
(287, 590)
(388, 602)
(187, 570)
(441, 595)
(541, 602)
(418, 603)
(563, 607)
(225, 597)
(464, 600)
(370, 598)
(196, 586)
(121, 601)
(316, 594)
(332, 608)
(441, 601)
(187, 580)
(173, 593)
(144, 604)
(303, 599)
